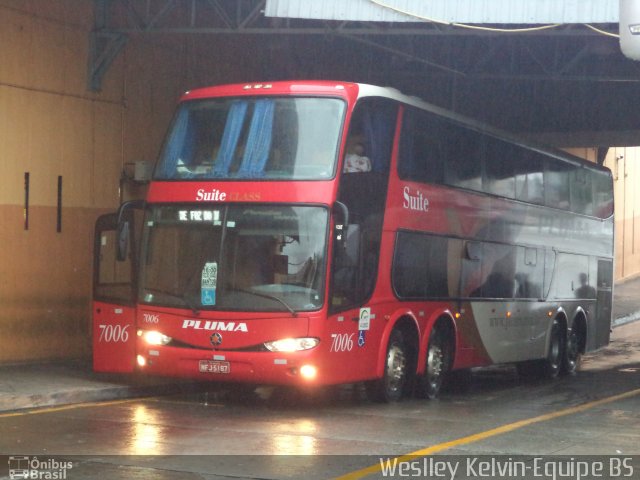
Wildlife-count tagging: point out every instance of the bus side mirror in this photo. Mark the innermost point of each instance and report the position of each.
(123, 234)
(341, 215)
(351, 251)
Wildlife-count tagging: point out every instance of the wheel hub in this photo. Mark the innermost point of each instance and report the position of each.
(396, 362)
(434, 363)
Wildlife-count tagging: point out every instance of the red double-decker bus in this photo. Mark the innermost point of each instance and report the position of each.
(316, 233)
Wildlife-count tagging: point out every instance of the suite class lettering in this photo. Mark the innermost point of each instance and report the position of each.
(214, 195)
(414, 201)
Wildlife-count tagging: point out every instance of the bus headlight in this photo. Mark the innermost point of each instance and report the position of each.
(153, 337)
(292, 344)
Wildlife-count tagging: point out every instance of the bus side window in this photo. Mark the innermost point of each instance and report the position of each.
(556, 184)
(529, 168)
(581, 191)
(423, 146)
(372, 126)
(427, 278)
(529, 273)
(499, 168)
(464, 158)
(602, 197)
(471, 272)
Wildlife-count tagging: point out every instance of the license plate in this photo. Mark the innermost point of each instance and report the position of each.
(214, 366)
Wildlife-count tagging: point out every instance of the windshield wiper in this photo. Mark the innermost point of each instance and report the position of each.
(185, 300)
(270, 297)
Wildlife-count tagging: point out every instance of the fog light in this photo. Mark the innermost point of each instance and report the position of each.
(308, 372)
(141, 361)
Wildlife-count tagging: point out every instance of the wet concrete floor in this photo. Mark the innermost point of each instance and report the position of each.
(274, 433)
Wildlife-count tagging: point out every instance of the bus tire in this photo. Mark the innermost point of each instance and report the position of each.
(572, 352)
(391, 387)
(438, 363)
(550, 366)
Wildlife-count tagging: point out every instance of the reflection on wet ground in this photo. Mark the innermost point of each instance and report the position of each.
(232, 431)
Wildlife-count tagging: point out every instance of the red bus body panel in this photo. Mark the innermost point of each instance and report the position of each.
(114, 338)
(243, 192)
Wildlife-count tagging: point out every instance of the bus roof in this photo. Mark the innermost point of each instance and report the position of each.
(302, 87)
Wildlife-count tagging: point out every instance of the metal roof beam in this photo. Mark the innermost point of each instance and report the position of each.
(104, 46)
(116, 20)
(403, 54)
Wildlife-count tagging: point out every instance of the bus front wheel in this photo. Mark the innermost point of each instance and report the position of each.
(392, 385)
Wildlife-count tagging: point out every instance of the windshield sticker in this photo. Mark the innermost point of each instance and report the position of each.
(208, 283)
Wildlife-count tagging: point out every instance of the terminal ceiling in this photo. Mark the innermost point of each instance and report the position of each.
(569, 85)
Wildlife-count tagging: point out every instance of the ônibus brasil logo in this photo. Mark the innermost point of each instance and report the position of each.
(31, 467)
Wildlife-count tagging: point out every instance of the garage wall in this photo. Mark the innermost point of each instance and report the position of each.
(51, 127)
(624, 162)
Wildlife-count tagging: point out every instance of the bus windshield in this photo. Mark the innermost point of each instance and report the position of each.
(271, 138)
(250, 258)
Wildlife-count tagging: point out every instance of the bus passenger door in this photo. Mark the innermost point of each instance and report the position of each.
(603, 303)
(113, 298)
(362, 196)
(348, 290)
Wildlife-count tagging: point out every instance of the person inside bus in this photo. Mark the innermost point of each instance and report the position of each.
(525, 288)
(585, 290)
(356, 161)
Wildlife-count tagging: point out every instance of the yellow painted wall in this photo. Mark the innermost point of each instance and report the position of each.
(51, 126)
(624, 162)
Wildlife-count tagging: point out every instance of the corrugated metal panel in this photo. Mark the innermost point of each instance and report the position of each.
(461, 11)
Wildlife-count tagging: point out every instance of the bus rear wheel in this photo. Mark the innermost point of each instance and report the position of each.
(553, 363)
(550, 366)
(392, 385)
(437, 365)
(572, 353)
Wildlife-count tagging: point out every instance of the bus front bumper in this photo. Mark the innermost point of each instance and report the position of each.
(272, 368)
